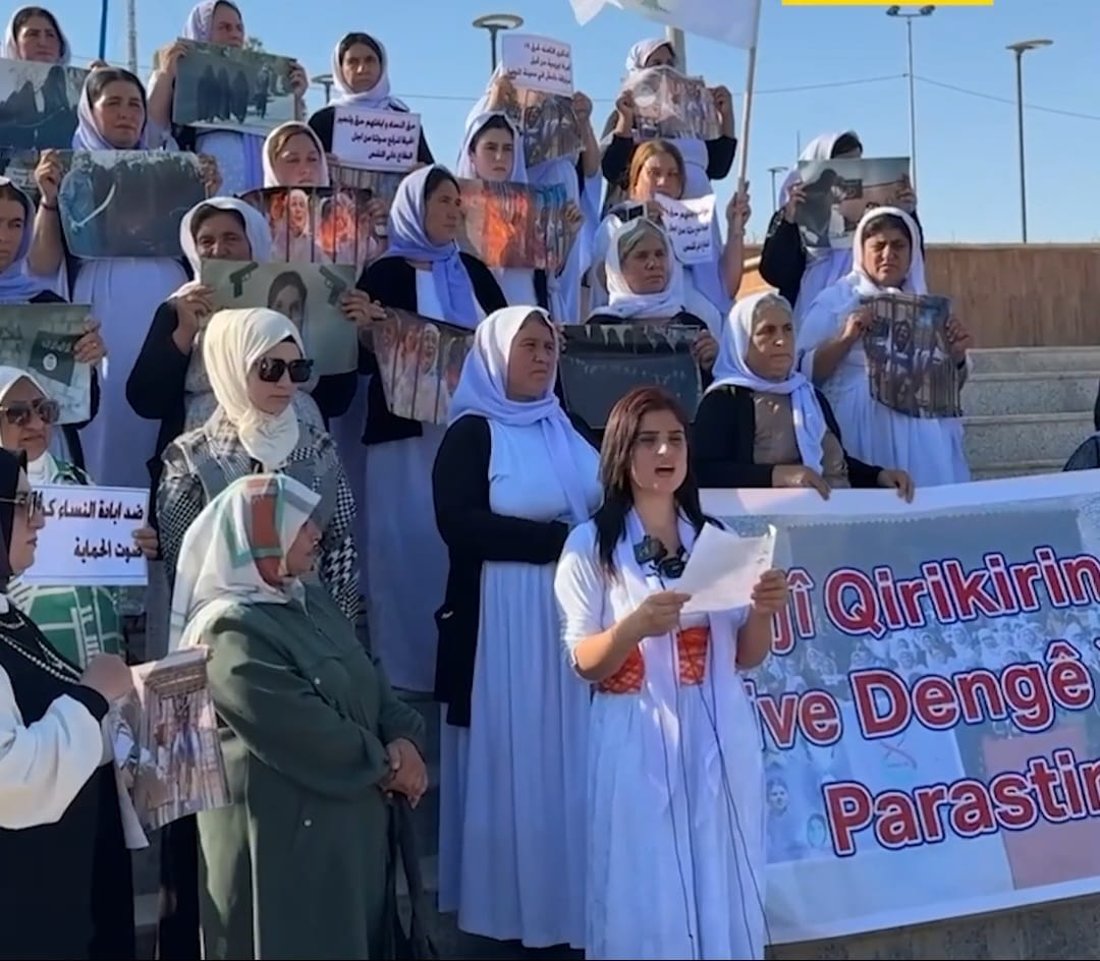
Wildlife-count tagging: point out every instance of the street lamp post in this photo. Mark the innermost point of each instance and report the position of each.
(1020, 49)
(325, 80)
(926, 11)
(495, 23)
(775, 171)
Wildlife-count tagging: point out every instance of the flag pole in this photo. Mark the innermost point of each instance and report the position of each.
(678, 43)
(746, 110)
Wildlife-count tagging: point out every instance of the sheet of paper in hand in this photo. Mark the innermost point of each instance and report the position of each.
(128, 203)
(165, 739)
(316, 225)
(839, 192)
(419, 363)
(689, 225)
(307, 294)
(723, 568)
(538, 63)
(515, 225)
(547, 123)
(909, 362)
(381, 140)
(602, 362)
(38, 104)
(41, 338)
(226, 88)
(668, 105)
(88, 537)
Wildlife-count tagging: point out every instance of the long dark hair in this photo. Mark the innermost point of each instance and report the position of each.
(615, 464)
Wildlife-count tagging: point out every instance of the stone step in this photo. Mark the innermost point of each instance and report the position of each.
(1031, 392)
(1009, 360)
(1025, 468)
(1034, 437)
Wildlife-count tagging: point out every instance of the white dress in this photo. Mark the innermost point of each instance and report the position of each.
(406, 557)
(931, 450)
(512, 785)
(676, 852)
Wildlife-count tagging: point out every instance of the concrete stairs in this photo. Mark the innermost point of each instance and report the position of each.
(1027, 409)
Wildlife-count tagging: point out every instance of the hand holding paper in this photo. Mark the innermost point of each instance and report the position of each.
(723, 569)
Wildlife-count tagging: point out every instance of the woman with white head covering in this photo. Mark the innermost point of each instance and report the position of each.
(33, 33)
(361, 75)
(80, 621)
(578, 175)
(255, 361)
(293, 156)
(422, 271)
(762, 423)
(704, 161)
(307, 721)
(239, 155)
(59, 802)
(798, 273)
(886, 259)
(492, 151)
(511, 479)
(122, 291)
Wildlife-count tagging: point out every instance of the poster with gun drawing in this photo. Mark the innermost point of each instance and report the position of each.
(226, 88)
(668, 105)
(165, 740)
(909, 362)
(307, 294)
(41, 338)
(839, 192)
(419, 362)
(316, 225)
(38, 104)
(600, 363)
(547, 123)
(128, 203)
(515, 225)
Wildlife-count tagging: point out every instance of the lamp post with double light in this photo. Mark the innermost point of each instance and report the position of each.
(926, 11)
(1020, 49)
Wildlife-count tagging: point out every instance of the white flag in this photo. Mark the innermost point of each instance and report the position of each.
(729, 21)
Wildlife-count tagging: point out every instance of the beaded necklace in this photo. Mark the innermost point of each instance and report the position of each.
(41, 656)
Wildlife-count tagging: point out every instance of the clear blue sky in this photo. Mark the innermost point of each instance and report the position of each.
(968, 174)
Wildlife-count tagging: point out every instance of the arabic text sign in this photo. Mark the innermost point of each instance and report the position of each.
(689, 225)
(88, 537)
(538, 63)
(929, 715)
(376, 139)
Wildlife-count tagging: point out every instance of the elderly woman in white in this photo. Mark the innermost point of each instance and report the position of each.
(886, 258)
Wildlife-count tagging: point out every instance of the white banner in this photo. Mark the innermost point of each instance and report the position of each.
(929, 716)
(729, 21)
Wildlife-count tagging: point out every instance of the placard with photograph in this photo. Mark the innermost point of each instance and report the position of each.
(668, 105)
(316, 225)
(547, 123)
(837, 193)
(515, 225)
(38, 103)
(41, 338)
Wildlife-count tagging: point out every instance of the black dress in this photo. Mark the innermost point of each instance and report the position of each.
(66, 889)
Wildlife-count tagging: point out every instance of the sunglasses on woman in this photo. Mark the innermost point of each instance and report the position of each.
(19, 414)
(271, 369)
(29, 501)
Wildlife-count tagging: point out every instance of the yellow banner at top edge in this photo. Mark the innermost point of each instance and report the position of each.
(881, 3)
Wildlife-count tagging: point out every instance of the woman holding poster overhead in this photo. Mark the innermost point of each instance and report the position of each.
(406, 565)
(675, 768)
(512, 477)
(887, 261)
(361, 76)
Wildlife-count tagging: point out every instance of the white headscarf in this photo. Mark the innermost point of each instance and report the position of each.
(914, 282)
(465, 169)
(233, 341)
(200, 22)
(483, 391)
(378, 97)
(249, 525)
(621, 300)
(731, 369)
(43, 469)
(643, 50)
(11, 42)
(256, 228)
(270, 180)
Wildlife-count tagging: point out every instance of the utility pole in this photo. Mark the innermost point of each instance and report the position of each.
(131, 36)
